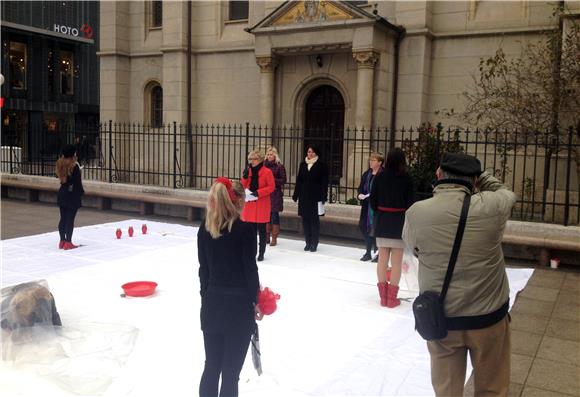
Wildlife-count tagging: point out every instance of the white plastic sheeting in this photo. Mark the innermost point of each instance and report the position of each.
(329, 335)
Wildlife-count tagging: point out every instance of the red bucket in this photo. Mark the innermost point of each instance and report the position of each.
(139, 288)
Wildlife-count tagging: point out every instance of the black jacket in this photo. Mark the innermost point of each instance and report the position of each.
(228, 277)
(395, 192)
(364, 188)
(311, 187)
(69, 194)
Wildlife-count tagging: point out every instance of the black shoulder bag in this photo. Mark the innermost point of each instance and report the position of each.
(430, 320)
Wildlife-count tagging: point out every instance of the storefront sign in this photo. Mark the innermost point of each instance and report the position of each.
(86, 29)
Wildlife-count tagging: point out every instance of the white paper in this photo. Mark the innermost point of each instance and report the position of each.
(250, 196)
(343, 286)
(320, 208)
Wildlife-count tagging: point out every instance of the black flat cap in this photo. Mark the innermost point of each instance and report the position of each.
(461, 164)
(68, 151)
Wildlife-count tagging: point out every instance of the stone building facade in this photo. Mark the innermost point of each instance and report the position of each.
(307, 64)
(391, 63)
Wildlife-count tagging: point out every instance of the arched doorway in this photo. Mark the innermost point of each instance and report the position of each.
(324, 126)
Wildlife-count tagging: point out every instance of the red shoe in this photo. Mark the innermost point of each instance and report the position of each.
(69, 246)
(61, 244)
(383, 291)
(392, 300)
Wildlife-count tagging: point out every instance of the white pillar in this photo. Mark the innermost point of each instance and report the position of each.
(366, 61)
(267, 66)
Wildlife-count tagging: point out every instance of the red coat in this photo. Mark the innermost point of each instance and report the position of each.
(258, 211)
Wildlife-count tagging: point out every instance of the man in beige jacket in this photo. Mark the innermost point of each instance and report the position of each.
(477, 301)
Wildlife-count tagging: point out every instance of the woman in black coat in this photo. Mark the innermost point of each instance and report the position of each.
(311, 189)
(229, 286)
(392, 193)
(365, 221)
(69, 195)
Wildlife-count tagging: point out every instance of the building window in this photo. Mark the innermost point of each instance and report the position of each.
(156, 14)
(238, 10)
(18, 63)
(66, 73)
(156, 106)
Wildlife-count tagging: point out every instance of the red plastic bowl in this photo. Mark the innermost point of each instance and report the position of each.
(139, 288)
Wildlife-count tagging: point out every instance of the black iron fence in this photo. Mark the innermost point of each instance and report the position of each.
(542, 168)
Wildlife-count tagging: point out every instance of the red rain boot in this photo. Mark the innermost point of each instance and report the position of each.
(69, 246)
(392, 300)
(383, 291)
(61, 244)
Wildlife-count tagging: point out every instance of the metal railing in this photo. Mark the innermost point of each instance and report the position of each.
(541, 168)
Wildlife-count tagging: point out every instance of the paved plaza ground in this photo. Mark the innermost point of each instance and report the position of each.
(545, 318)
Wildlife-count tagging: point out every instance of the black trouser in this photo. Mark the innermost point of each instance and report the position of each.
(311, 227)
(224, 355)
(67, 223)
(370, 243)
(260, 228)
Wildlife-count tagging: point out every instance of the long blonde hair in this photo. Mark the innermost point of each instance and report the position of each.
(222, 212)
(65, 167)
(274, 151)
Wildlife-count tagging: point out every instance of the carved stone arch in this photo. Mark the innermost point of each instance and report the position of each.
(326, 139)
(305, 88)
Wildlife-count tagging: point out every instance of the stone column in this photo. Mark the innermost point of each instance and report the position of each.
(366, 61)
(267, 66)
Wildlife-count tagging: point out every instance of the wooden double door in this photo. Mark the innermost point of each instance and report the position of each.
(324, 127)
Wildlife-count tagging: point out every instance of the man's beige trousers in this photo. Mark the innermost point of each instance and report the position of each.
(490, 351)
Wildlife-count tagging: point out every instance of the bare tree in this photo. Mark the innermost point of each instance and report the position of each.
(539, 91)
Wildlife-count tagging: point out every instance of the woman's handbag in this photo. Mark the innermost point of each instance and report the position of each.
(430, 320)
(256, 355)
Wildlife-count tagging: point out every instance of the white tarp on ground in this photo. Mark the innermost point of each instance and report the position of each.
(328, 337)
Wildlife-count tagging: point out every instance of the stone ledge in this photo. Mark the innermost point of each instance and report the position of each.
(537, 236)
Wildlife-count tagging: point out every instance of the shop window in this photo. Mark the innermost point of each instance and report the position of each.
(238, 9)
(18, 64)
(156, 106)
(156, 14)
(66, 73)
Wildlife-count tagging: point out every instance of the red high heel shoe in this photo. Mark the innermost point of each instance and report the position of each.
(69, 246)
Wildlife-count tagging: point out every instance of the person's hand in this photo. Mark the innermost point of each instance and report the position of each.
(361, 196)
(258, 315)
(246, 172)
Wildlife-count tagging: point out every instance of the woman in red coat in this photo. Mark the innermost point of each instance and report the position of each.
(258, 181)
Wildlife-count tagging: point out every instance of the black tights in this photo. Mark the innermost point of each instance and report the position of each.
(224, 355)
(370, 243)
(260, 228)
(67, 223)
(311, 227)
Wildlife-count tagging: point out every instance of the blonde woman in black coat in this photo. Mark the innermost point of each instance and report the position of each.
(311, 188)
(229, 286)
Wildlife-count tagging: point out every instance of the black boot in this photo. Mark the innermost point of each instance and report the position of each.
(366, 257)
(307, 247)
